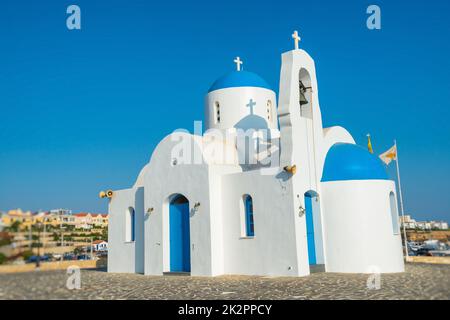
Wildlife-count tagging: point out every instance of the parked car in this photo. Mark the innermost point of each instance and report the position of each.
(70, 256)
(423, 252)
(33, 259)
(102, 254)
(83, 257)
(57, 257)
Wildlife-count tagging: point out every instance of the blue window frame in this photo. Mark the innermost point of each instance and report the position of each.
(249, 222)
(133, 225)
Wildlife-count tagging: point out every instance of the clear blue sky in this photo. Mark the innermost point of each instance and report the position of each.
(81, 111)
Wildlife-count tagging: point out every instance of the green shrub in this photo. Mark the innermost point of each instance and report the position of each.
(27, 254)
(2, 258)
(5, 242)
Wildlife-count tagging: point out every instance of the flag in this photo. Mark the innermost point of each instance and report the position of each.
(369, 144)
(389, 155)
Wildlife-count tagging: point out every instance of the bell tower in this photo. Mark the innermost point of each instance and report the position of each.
(301, 137)
(299, 116)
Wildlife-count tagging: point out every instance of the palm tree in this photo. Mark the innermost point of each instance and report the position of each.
(14, 227)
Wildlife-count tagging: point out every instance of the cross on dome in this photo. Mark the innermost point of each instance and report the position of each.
(296, 38)
(251, 104)
(238, 63)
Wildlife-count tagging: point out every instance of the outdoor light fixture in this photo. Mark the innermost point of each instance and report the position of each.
(149, 211)
(291, 169)
(196, 206)
(301, 211)
(106, 194)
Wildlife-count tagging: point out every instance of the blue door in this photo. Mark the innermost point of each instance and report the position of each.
(180, 253)
(310, 230)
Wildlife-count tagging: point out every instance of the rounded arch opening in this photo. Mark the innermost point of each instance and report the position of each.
(394, 213)
(314, 228)
(179, 242)
(247, 218)
(305, 93)
(130, 225)
(178, 199)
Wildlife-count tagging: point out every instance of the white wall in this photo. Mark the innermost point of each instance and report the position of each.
(273, 249)
(234, 111)
(358, 227)
(126, 256)
(195, 182)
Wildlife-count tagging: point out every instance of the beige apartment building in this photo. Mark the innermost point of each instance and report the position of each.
(55, 218)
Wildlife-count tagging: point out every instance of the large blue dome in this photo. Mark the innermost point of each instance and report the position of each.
(239, 79)
(346, 161)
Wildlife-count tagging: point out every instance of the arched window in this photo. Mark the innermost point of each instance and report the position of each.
(394, 213)
(216, 112)
(269, 110)
(130, 225)
(249, 222)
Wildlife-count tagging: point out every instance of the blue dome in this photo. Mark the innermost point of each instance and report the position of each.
(239, 79)
(346, 161)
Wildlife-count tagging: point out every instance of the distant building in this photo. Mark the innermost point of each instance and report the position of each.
(440, 225)
(2, 225)
(54, 218)
(90, 220)
(423, 225)
(100, 245)
(62, 212)
(410, 223)
(25, 218)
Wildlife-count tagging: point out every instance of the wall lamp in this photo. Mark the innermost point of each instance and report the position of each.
(301, 211)
(106, 194)
(291, 169)
(196, 206)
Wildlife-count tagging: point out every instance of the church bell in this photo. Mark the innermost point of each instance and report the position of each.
(303, 89)
(303, 99)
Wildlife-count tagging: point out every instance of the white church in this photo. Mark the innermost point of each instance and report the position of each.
(265, 190)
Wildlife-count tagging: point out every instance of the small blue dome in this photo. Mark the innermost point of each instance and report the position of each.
(239, 79)
(346, 161)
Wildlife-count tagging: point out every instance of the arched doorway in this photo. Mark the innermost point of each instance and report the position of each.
(313, 228)
(180, 247)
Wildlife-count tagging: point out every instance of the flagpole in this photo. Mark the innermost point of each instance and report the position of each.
(401, 199)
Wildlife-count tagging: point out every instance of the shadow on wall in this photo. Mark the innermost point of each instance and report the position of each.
(139, 230)
(283, 176)
(252, 122)
(247, 147)
(101, 265)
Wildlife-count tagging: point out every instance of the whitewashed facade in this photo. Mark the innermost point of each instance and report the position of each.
(221, 209)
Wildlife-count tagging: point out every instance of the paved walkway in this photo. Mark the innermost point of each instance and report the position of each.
(420, 281)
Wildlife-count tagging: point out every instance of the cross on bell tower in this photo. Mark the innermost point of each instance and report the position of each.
(296, 38)
(238, 63)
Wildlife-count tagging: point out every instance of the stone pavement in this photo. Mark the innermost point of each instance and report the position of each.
(420, 281)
